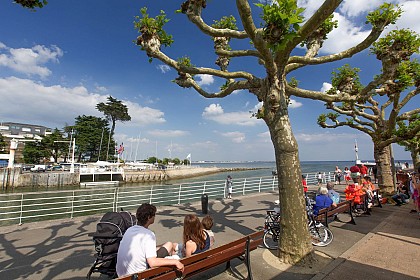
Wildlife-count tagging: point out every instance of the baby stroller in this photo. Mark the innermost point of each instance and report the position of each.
(109, 232)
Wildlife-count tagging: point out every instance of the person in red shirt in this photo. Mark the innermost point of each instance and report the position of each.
(304, 184)
(363, 170)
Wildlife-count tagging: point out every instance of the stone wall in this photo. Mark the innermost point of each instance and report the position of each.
(12, 178)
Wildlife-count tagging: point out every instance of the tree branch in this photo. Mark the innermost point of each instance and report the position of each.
(323, 12)
(255, 34)
(296, 62)
(194, 15)
(239, 53)
(225, 92)
(317, 95)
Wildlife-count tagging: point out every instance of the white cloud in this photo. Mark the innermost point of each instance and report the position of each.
(215, 113)
(143, 115)
(409, 18)
(167, 133)
(293, 104)
(26, 101)
(353, 8)
(30, 61)
(213, 109)
(345, 36)
(326, 87)
(351, 17)
(205, 79)
(163, 68)
(234, 136)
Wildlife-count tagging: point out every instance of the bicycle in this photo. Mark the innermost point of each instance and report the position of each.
(271, 229)
(320, 235)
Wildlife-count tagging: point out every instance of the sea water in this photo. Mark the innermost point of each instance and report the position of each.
(263, 169)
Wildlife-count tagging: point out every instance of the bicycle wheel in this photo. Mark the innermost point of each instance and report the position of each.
(320, 235)
(271, 238)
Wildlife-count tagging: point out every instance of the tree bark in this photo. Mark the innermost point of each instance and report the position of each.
(294, 242)
(415, 158)
(385, 178)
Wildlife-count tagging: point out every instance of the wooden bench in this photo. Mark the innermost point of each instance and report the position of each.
(198, 263)
(342, 207)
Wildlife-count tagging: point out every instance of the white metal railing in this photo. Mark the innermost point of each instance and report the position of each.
(36, 206)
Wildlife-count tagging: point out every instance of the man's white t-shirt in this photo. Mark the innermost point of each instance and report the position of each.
(137, 244)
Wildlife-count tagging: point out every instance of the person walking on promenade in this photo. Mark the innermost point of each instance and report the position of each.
(319, 178)
(337, 175)
(229, 186)
(138, 250)
(347, 177)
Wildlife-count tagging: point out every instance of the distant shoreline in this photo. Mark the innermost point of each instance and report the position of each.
(173, 174)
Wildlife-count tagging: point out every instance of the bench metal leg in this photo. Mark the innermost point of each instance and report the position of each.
(248, 259)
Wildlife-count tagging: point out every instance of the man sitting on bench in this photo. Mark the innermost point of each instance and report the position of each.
(138, 250)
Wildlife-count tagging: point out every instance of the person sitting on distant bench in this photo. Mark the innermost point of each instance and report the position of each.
(401, 195)
(335, 196)
(322, 200)
(354, 191)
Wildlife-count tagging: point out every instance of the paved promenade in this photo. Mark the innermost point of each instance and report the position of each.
(385, 245)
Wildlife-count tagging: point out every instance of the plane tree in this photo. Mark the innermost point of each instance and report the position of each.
(378, 111)
(272, 47)
(411, 145)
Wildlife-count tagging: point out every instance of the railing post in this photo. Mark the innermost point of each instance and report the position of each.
(204, 188)
(259, 186)
(151, 194)
(115, 207)
(274, 181)
(21, 210)
(243, 189)
(179, 194)
(72, 206)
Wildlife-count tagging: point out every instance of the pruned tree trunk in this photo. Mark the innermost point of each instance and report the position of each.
(415, 157)
(385, 178)
(294, 242)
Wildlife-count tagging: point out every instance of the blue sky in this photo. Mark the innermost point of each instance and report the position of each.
(60, 61)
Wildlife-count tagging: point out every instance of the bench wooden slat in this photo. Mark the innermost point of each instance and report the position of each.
(325, 213)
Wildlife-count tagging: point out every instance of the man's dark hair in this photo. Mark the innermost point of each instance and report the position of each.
(144, 213)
